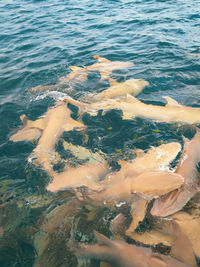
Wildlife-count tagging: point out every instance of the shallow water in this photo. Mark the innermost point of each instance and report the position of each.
(39, 40)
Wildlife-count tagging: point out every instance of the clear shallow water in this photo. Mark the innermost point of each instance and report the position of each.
(39, 40)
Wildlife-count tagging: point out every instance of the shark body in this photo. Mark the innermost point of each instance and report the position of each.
(187, 167)
(131, 86)
(132, 107)
(104, 66)
(121, 254)
(48, 129)
(84, 175)
(156, 158)
(118, 186)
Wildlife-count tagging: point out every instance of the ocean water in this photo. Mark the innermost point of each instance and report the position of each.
(39, 40)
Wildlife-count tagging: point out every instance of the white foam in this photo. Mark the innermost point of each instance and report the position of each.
(118, 205)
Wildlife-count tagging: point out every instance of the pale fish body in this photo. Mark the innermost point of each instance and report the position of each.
(187, 167)
(121, 254)
(84, 175)
(156, 158)
(189, 225)
(104, 66)
(132, 107)
(59, 120)
(131, 86)
(149, 184)
(49, 129)
(31, 130)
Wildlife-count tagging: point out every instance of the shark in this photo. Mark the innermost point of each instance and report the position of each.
(156, 158)
(136, 191)
(187, 167)
(161, 232)
(104, 66)
(48, 129)
(62, 81)
(118, 89)
(121, 254)
(85, 175)
(110, 189)
(132, 107)
(148, 184)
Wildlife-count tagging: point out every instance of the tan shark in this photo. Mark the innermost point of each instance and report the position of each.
(84, 175)
(31, 130)
(104, 66)
(175, 231)
(148, 184)
(63, 81)
(50, 126)
(132, 107)
(189, 225)
(121, 254)
(156, 158)
(137, 191)
(131, 86)
(187, 167)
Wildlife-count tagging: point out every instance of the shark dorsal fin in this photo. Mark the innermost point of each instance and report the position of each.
(101, 59)
(103, 240)
(105, 74)
(185, 139)
(23, 118)
(112, 81)
(171, 101)
(131, 99)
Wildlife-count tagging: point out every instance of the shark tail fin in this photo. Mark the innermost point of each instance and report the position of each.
(103, 240)
(171, 101)
(131, 99)
(24, 119)
(101, 59)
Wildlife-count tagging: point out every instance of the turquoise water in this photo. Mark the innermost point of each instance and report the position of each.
(39, 40)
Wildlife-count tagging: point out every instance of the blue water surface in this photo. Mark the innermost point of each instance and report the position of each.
(39, 40)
